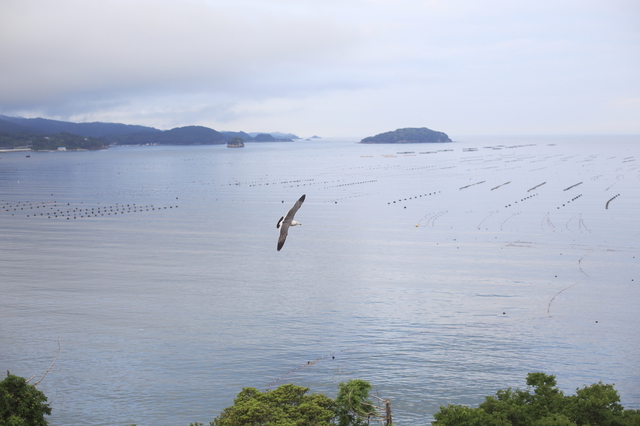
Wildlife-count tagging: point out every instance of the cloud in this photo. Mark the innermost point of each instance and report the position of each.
(64, 50)
(352, 67)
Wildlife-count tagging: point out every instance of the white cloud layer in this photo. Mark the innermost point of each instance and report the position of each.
(348, 67)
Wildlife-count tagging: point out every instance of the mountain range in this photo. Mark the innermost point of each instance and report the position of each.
(17, 129)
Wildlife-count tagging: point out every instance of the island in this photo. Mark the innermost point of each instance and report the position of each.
(409, 135)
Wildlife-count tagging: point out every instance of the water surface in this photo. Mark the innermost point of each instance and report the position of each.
(438, 272)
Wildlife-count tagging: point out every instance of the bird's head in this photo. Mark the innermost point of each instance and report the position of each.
(295, 222)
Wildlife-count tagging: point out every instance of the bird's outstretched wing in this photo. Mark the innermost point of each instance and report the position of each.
(285, 222)
(294, 209)
(284, 230)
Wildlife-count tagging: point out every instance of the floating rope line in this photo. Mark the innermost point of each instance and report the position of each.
(496, 187)
(477, 183)
(566, 189)
(582, 225)
(529, 190)
(610, 200)
(505, 221)
(550, 224)
(580, 263)
(432, 218)
(556, 295)
(483, 220)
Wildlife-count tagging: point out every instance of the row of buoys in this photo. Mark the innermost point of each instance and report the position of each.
(22, 205)
(286, 182)
(414, 197)
(573, 199)
(351, 183)
(523, 199)
(80, 212)
(335, 200)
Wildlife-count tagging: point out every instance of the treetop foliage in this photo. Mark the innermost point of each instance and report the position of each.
(21, 404)
(287, 405)
(543, 404)
(353, 404)
(290, 405)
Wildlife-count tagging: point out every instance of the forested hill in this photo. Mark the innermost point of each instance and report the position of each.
(188, 135)
(22, 132)
(96, 129)
(409, 135)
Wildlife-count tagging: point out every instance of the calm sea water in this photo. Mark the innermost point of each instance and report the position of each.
(438, 272)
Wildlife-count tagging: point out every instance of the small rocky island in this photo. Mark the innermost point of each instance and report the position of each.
(409, 135)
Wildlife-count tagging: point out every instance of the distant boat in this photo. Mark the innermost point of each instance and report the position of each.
(235, 143)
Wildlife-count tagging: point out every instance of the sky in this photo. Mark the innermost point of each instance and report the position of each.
(332, 68)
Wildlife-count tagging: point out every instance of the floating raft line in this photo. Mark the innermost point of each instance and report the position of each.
(572, 186)
(610, 200)
(477, 183)
(496, 187)
(529, 190)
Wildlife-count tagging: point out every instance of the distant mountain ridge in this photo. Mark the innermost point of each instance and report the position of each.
(124, 134)
(95, 129)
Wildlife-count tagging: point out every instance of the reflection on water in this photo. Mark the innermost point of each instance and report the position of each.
(439, 277)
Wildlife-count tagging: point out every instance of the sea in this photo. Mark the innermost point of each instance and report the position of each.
(144, 282)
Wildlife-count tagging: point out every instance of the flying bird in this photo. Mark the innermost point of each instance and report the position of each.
(286, 221)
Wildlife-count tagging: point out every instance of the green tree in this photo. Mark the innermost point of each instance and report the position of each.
(287, 405)
(21, 404)
(353, 406)
(543, 404)
(597, 404)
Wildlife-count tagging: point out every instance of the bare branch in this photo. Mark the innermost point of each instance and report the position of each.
(381, 414)
(50, 367)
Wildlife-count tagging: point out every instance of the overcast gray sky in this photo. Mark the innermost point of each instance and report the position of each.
(327, 67)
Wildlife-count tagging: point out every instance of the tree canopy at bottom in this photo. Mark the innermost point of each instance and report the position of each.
(543, 404)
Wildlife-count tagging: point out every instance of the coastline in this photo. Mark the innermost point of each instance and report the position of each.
(15, 150)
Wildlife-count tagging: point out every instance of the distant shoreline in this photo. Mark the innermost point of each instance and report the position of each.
(15, 150)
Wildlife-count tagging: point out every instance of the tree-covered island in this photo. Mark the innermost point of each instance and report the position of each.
(409, 135)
